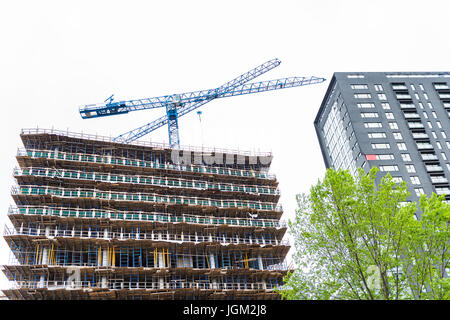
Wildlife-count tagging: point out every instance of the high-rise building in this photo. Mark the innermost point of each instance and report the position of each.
(95, 219)
(397, 121)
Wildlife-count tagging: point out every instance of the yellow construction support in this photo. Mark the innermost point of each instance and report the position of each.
(114, 257)
(168, 261)
(37, 254)
(164, 258)
(50, 255)
(99, 255)
(40, 255)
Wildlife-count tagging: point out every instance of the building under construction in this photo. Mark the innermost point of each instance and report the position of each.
(96, 219)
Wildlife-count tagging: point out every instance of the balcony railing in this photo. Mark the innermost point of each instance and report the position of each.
(433, 168)
(439, 180)
(155, 145)
(411, 115)
(90, 158)
(417, 135)
(429, 156)
(141, 197)
(145, 216)
(422, 146)
(140, 236)
(440, 191)
(128, 285)
(414, 125)
(145, 180)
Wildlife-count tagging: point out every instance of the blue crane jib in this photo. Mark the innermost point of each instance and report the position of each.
(178, 105)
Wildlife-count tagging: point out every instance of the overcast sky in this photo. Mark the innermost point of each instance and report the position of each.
(58, 55)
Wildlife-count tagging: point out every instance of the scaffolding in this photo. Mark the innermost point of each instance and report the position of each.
(95, 219)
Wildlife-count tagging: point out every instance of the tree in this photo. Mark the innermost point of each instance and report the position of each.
(358, 240)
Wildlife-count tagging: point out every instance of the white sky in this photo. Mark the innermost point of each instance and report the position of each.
(58, 55)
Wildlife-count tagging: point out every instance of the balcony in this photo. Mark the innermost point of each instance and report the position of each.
(429, 156)
(145, 180)
(132, 162)
(62, 193)
(407, 106)
(440, 179)
(156, 236)
(420, 135)
(411, 115)
(415, 125)
(440, 191)
(433, 168)
(144, 216)
(423, 146)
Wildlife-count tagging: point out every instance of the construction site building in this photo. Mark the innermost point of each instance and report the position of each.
(96, 219)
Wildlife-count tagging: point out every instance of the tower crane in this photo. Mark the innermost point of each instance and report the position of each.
(177, 105)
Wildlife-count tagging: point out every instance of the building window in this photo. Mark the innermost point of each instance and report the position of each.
(382, 97)
(448, 144)
(389, 115)
(429, 125)
(421, 87)
(372, 125)
(385, 106)
(362, 96)
(425, 115)
(415, 180)
(367, 105)
(397, 179)
(439, 145)
(369, 115)
(401, 146)
(419, 191)
(397, 136)
(355, 76)
(378, 87)
(410, 168)
(381, 146)
(377, 135)
(389, 168)
(406, 157)
(337, 142)
(439, 124)
(393, 125)
(426, 96)
(429, 105)
(417, 96)
(442, 85)
(399, 86)
(444, 156)
(384, 157)
(434, 134)
(444, 135)
(420, 105)
(359, 86)
(403, 96)
(434, 114)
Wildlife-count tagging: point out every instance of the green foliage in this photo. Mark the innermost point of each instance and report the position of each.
(356, 239)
